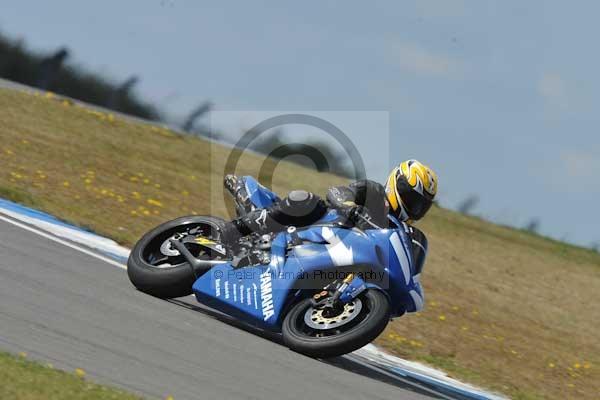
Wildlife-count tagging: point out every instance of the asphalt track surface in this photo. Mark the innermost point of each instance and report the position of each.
(77, 311)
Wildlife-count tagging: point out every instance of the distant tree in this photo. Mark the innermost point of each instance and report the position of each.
(122, 92)
(53, 73)
(49, 67)
(468, 204)
(533, 225)
(196, 114)
(595, 247)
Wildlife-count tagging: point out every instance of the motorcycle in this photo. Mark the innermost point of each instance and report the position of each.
(328, 288)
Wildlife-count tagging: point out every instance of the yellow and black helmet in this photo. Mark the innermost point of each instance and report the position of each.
(410, 190)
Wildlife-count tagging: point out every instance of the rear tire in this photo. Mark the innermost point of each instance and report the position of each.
(324, 344)
(172, 281)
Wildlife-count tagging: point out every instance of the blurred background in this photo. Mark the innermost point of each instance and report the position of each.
(498, 97)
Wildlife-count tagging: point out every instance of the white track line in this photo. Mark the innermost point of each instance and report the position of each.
(64, 242)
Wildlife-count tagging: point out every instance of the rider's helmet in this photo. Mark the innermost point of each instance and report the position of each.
(410, 190)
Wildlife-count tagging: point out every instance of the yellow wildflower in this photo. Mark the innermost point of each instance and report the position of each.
(442, 317)
(153, 202)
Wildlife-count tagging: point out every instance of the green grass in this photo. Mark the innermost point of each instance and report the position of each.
(21, 379)
(17, 195)
(505, 309)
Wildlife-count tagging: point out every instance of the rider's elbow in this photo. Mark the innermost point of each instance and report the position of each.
(419, 242)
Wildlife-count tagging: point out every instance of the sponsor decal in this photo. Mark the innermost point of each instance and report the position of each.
(227, 290)
(266, 295)
(242, 294)
(255, 290)
(262, 220)
(248, 297)
(217, 287)
(203, 240)
(235, 293)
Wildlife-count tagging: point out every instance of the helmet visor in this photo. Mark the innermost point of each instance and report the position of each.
(416, 204)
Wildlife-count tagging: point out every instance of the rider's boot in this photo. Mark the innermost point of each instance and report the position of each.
(259, 221)
(235, 186)
(256, 221)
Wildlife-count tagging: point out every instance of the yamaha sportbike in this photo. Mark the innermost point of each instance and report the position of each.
(328, 288)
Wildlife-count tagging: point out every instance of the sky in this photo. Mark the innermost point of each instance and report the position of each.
(499, 97)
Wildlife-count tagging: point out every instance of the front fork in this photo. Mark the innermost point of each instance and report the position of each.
(336, 294)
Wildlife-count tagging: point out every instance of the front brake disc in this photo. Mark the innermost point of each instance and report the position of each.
(315, 319)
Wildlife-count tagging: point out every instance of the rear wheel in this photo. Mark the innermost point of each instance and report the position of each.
(157, 268)
(328, 333)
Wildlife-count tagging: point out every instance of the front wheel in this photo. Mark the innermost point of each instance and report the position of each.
(157, 268)
(314, 332)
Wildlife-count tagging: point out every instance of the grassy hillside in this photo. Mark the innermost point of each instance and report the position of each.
(505, 309)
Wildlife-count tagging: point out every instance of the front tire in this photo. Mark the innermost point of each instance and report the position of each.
(173, 278)
(343, 338)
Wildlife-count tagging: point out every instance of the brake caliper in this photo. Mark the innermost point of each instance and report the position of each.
(351, 287)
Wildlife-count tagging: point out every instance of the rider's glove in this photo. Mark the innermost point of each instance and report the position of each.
(358, 213)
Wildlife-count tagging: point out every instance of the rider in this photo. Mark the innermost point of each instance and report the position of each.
(407, 196)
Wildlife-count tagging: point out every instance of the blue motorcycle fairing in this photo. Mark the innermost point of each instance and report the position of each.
(261, 294)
